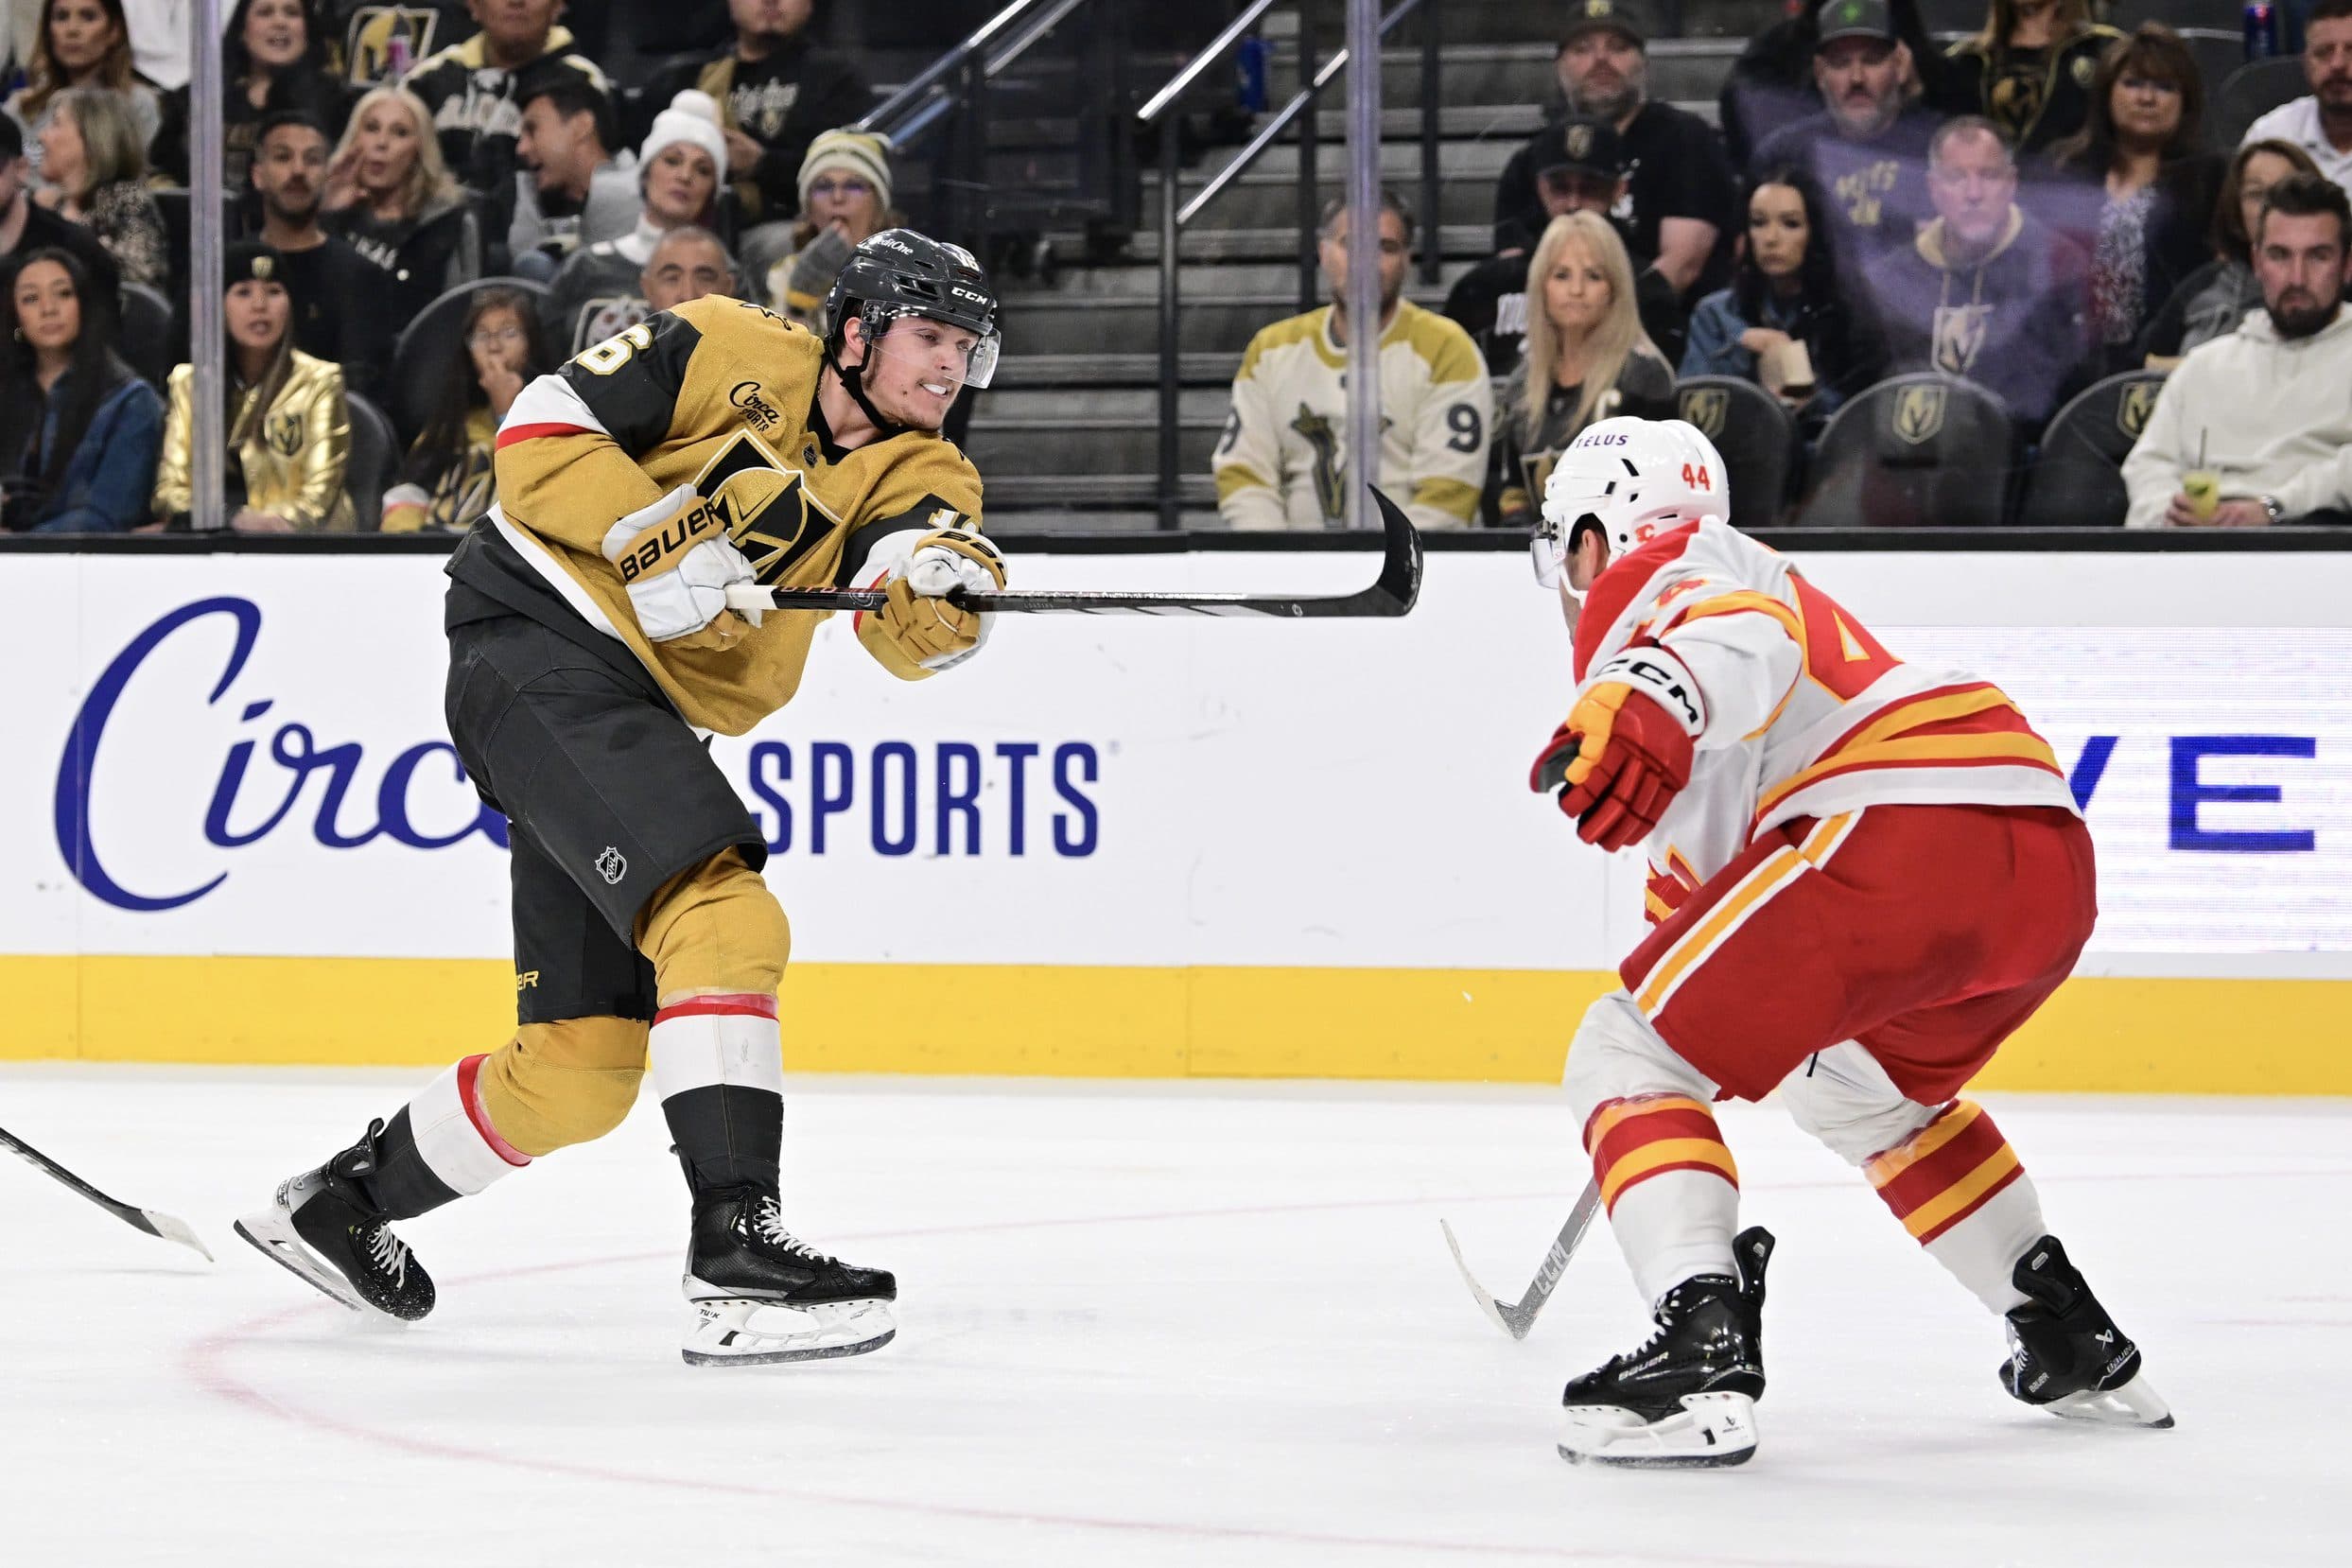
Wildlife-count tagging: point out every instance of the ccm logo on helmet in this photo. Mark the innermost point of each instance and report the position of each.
(680, 533)
(973, 294)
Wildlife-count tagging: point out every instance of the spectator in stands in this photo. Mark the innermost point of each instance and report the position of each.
(1867, 149)
(570, 191)
(1772, 83)
(27, 226)
(1587, 358)
(2211, 301)
(389, 197)
(473, 94)
(687, 265)
(333, 318)
(1280, 464)
(2145, 187)
(447, 481)
(95, 168)
(162, 40)
(85, 43)
(776, 91)
(679, 171)
(1679, 195)
(2028, 71)
(2264, 408)
(1580, 166)
(1786, 296)
(844, 200)
(1987, 291)
(273, 58)
(78, 430)
(375, 43)
(2320, 124)
(289, 429)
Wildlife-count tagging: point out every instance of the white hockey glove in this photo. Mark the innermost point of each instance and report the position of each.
(918, 626)
(677, 561)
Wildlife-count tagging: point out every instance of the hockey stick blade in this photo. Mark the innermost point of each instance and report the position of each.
(164, 1226)
(1391, 594)
(1517, 1320)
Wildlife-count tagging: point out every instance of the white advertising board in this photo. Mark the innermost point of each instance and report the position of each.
(244, 755)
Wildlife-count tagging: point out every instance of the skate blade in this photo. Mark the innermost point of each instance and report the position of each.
(2136, 1403)
(1710, 1432)
(273, 1234)
(735, 1332)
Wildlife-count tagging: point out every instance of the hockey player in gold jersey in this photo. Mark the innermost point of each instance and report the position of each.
(713, 445)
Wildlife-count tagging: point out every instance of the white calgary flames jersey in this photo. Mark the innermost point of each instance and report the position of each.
(1807, 715)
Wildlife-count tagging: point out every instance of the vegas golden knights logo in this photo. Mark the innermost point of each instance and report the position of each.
(1958, 336)
(1707, 408)
(1579, 142)
(1919, 412)
(285, 436)
(368, 42)
(768, 503)
(1316, 430)
(2132, 409)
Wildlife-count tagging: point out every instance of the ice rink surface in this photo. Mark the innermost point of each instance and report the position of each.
(1141, 1324)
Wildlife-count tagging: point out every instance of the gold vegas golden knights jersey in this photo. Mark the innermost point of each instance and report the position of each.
(721, 395)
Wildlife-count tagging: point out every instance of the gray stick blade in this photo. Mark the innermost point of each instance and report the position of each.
(1494, 1310)
(174, 1230)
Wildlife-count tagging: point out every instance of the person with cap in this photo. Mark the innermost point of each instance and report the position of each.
(1679, 195)
(594, 645)
(1580, 166)
(776, 91)
(1867, 149)
(844, 199)
(570, 190)
(289, 427)
(680, 169)
(475, 90)
(1771, 82)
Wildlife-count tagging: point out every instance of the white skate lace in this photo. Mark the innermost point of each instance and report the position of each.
(767, 1223)
(389, 1253)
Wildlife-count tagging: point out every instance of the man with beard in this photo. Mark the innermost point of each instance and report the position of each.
(2264, 409)
(1579, 167)
(775, 92)
(1280, 463)
(2320, 124)
(327, 278)
(1679, 195)
(1867, 149)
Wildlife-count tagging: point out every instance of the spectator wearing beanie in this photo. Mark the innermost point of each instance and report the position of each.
(680, 168)
(289, 429)
(844, 200)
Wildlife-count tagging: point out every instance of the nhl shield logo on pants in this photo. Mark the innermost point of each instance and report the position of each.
(612, 865)
(1707, 408)
(1919, 412)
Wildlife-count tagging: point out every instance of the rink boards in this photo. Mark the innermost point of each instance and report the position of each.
(1131, 847)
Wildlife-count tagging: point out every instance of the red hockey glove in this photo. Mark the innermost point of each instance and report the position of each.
(1625, 751)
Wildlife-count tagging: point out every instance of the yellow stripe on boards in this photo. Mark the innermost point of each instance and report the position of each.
(2098, 1036)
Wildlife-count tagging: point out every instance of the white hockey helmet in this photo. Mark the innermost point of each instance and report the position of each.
(1632, 478)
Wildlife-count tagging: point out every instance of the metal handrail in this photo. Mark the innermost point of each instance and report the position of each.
(1173, 217)
(879, 118)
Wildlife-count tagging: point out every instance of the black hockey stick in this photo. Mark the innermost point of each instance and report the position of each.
(148, 1220)
(1517, 1320)
(1392, 594)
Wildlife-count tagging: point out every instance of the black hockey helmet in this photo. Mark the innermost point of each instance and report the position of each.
(900, 272)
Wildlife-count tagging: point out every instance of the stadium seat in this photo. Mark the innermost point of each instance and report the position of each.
(2218, 54)
(2218, 15)
(149, 338)
(421, 357)
(2077, 480)
(375, 461)
(1921, 450)
(1945, 17)
(1757, 435)
(2251, 92)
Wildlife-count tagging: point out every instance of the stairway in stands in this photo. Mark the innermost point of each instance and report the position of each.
(1068, 437)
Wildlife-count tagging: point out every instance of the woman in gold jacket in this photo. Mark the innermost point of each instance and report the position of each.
(289, 431)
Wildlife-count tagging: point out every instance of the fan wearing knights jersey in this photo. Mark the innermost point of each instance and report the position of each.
(592, 645)
(1863, 877)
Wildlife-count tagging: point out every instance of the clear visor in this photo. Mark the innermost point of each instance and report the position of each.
(1548, 549)
(980, 355)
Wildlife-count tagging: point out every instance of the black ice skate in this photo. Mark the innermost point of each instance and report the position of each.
(761, 1295)
(1687, 1398)
(2066, 1355)
(324, 1226)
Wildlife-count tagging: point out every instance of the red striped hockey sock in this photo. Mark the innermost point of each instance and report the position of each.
(1670, 1185)
(1958, 1187)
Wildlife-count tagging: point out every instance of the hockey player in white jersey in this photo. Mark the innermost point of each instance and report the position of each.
(1863, 877)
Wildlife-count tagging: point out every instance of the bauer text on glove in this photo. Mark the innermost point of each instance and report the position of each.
(677, 560)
